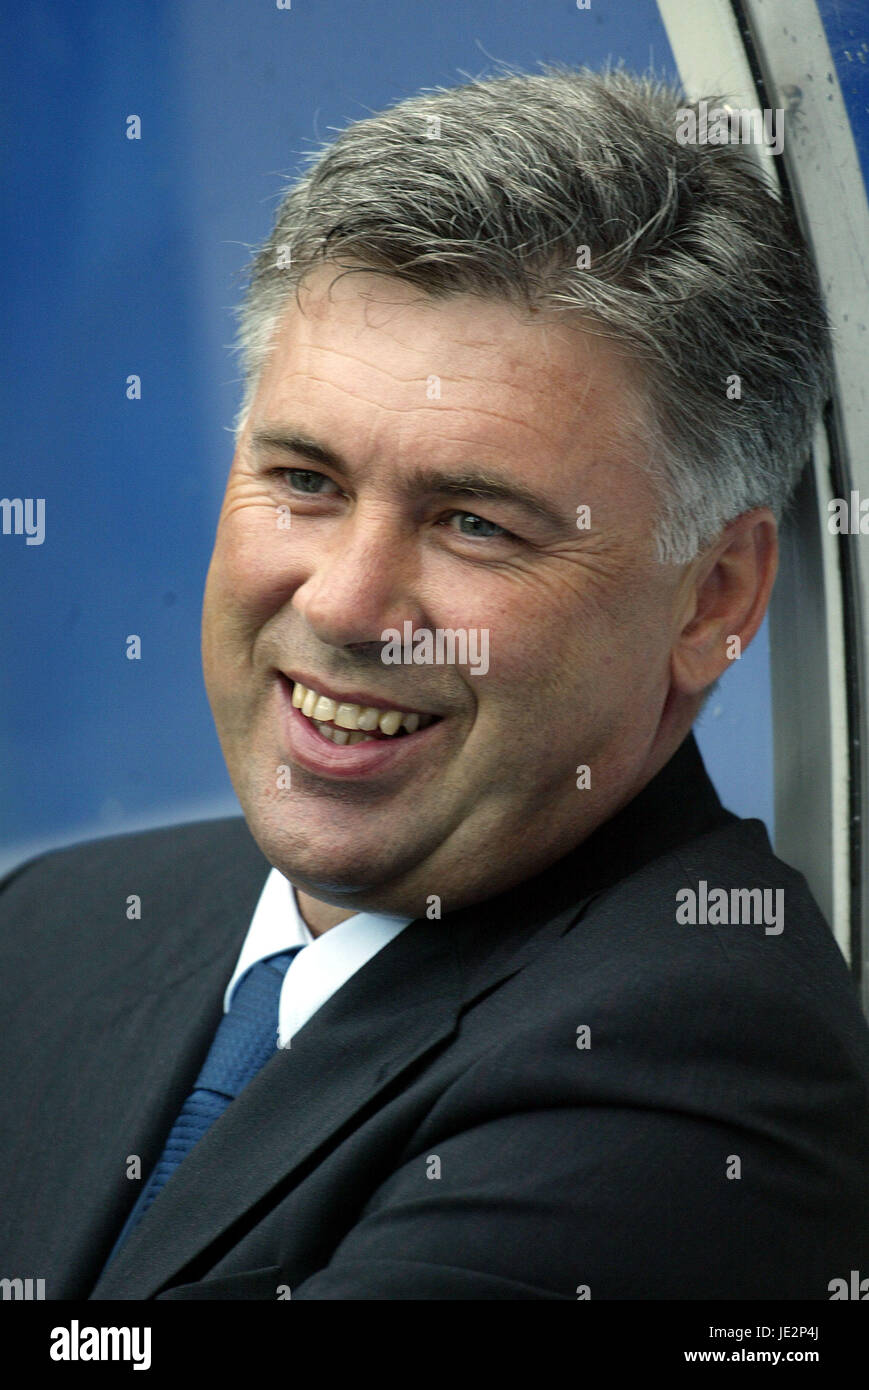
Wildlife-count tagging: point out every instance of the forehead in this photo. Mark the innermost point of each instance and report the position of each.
(382, 331)
(376, 366)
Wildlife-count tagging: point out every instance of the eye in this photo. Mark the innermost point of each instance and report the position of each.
(308, 481)
(477, 526)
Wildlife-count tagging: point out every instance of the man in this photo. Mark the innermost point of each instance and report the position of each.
(550, 1022)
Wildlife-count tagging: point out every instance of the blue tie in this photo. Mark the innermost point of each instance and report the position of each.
(245, 1040)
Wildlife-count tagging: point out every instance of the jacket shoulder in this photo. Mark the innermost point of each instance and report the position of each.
(77, 899)
(164, 849)
(681, 1004)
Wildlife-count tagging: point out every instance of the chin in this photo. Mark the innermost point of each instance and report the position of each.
(318, 866)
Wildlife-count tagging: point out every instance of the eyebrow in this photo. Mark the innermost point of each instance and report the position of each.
(466, 483)
(295, 442)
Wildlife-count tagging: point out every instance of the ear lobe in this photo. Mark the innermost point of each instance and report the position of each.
(728, 595)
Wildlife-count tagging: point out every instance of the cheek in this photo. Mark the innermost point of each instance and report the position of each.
(521, 619)
(255, 566)
(539, 640)
(562, 661)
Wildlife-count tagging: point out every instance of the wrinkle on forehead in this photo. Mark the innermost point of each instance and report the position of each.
(511, 368)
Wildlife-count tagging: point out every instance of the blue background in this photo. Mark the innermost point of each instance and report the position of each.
(125, 257)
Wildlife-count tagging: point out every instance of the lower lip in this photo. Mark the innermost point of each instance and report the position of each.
(313, 751)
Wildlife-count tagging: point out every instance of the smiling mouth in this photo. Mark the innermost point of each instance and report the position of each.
(345, 723)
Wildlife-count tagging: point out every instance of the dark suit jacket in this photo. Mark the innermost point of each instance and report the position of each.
(434, 1131)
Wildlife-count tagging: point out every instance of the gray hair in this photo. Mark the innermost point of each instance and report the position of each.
(695, 267)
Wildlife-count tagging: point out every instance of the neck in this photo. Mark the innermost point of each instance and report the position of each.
(319, 916)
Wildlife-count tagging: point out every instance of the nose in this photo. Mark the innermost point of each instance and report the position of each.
(362, 580)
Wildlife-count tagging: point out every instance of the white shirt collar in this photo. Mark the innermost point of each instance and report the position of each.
(320, 970)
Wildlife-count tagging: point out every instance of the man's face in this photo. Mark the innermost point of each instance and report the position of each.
(450, 444)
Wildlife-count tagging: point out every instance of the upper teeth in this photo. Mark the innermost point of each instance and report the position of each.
(356, 718)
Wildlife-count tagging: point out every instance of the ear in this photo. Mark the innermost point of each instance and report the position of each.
(725, 597)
